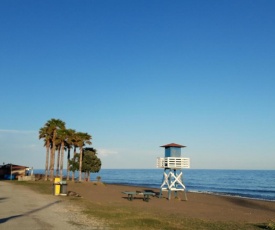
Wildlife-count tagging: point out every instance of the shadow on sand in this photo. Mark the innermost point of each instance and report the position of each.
(3, 220)
(3, 198)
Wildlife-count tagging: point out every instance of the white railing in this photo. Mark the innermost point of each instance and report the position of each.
(173, 162)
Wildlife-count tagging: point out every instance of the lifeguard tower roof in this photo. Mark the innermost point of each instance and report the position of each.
(173, 145)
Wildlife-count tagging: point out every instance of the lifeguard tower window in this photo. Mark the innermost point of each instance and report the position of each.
(172, 152)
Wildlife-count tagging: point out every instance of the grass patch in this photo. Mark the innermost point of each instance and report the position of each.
(125, 217)
(43, 187)
(130, 218)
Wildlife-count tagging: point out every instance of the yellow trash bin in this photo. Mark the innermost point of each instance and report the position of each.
(56, 186)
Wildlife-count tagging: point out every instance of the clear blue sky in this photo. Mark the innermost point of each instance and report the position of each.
(139, 74)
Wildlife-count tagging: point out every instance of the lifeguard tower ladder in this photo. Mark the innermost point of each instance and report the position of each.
(173, 164)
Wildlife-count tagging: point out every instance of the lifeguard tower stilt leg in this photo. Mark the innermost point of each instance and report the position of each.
(172, 182)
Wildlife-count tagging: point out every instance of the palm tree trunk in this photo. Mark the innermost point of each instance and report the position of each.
(68, 164)
(47, 162)
(61, 160)
(52, 164)
(58, 161)
(73, 173)
(80, 165)
(52, 157)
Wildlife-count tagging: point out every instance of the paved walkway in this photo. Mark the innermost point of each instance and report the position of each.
(22, 208)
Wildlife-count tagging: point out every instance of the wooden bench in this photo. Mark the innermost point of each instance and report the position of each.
(146, 195)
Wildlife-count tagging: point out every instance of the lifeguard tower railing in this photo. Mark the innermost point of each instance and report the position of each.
(173, 162)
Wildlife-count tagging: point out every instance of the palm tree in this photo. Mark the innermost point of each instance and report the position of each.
(53, 125)
(82, 139)
(55, 137)
(45, 134)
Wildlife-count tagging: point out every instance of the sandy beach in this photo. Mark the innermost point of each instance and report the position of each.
(201, 206)
(23, 208)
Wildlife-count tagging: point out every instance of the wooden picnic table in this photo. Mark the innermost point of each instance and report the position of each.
(146, 195)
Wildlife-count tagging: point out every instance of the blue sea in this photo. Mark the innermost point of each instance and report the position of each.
(256, 184)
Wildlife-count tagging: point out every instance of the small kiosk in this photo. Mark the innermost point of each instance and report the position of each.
(173, 163)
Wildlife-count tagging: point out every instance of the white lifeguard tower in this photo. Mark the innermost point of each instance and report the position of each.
(173, 164)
